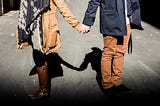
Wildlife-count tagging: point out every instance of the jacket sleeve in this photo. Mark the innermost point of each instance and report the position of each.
(90, 13)
(134, 11)
(67, 14)
(129, 8)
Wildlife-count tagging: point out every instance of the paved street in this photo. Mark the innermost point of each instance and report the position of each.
(141, 71)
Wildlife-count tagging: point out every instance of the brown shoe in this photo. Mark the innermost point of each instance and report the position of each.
(39, 94)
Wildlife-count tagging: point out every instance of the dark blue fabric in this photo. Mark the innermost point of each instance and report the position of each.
(112, 15)
(27, 8)
(135, 12)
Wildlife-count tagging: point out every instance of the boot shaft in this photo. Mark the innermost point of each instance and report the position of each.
(43, 76)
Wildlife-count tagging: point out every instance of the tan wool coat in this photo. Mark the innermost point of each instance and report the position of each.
(51, 33)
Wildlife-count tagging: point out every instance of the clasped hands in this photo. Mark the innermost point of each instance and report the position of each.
(84, 28)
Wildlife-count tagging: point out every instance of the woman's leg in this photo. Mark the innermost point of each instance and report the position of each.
(41, 66)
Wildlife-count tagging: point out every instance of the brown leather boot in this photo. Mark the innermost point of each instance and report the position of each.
(43, 83)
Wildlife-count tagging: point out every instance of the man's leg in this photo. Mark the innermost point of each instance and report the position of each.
(118, 60)
(106, 61)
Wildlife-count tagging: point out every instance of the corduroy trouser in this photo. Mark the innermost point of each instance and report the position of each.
(113, 59)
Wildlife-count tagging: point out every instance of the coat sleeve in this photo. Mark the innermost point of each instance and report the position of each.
(134, 11)
(67, 14)
(90, 13)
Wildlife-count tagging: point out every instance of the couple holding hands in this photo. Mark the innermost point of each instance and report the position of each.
(38, 28)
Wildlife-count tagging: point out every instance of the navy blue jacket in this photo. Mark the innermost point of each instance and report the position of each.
(112, 15)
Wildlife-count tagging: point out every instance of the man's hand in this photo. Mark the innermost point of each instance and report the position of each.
(84, 29)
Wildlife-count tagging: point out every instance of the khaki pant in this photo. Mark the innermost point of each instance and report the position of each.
(113, 59)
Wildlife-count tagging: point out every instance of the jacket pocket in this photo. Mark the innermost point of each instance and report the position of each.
(110, 21)
(109, 12)
(53, 39)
